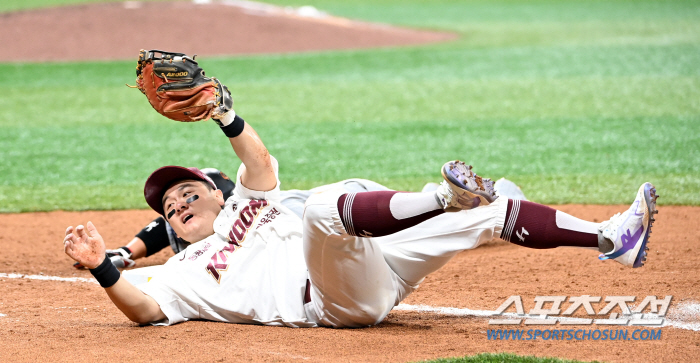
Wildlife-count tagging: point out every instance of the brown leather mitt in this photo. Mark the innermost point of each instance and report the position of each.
(177, 88)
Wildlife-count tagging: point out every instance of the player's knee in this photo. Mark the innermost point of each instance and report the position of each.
(326, 198)
(320, 211)
(373, 316)
(319, 220)
(368, 315)
(315, 213)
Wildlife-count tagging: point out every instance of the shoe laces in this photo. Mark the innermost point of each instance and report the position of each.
(444, 194)
(608, 227)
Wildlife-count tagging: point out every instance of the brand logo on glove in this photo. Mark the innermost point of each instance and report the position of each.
(177, 74)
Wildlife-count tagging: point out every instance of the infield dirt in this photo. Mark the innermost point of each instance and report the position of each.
(75, 321)
(118, 30)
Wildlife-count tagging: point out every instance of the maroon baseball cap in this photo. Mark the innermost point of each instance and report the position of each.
(161, 179)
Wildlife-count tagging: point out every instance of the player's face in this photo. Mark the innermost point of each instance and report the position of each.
(191, 208)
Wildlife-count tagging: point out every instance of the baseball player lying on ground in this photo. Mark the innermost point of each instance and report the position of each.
(347, 262)
(158, 234)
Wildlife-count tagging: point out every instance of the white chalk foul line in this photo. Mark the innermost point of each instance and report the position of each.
(689, 310)
(694, 326)
(48, 278)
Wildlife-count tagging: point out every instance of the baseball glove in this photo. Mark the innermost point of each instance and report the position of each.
(177, 88)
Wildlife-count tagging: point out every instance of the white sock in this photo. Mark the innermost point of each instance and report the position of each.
(407, 205)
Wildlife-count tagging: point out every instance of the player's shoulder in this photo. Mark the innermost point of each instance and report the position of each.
(241, 216)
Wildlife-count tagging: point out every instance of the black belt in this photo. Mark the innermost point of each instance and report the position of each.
(307, 293)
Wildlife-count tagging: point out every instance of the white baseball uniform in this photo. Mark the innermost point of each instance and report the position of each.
(294, 199)
(254, 268)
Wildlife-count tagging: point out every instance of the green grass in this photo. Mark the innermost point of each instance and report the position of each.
(501, 358)
(16, 5)
(575, 101)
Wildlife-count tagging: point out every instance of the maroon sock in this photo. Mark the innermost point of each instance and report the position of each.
(367, 214)
(534, 225)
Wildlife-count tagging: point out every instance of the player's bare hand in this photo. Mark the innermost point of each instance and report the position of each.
(85, 245)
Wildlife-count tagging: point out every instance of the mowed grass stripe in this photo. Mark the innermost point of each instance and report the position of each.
(576, 102)
(444, 63)
(540, 155)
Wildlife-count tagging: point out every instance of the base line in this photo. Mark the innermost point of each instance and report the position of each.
(48, 278)
(680, 324)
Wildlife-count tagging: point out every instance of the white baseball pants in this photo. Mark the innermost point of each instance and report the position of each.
(356, 281)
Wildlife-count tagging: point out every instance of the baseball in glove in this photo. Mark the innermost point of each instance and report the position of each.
(177, 88)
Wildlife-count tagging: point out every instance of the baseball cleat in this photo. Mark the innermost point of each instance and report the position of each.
(629, 232)
(462, 189)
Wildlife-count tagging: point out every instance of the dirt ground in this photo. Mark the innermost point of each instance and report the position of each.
(118, 30)
(75, 321)
(48, 320)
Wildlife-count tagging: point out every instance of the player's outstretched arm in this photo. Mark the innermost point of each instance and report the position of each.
(137, 306)
(86, 246)
(259, 173)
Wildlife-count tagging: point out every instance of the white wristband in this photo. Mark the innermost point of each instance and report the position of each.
(227, 119)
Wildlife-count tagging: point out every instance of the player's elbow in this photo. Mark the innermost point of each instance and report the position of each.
(143, 313)
(139, 319)
(144, 317)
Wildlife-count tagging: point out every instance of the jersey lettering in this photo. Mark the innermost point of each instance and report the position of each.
(238, 232)
(199, 252)
(267, 218)
(217, 264)
(247, 217)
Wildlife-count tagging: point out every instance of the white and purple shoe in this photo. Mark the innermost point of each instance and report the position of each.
(462, 189)
(629, 232)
